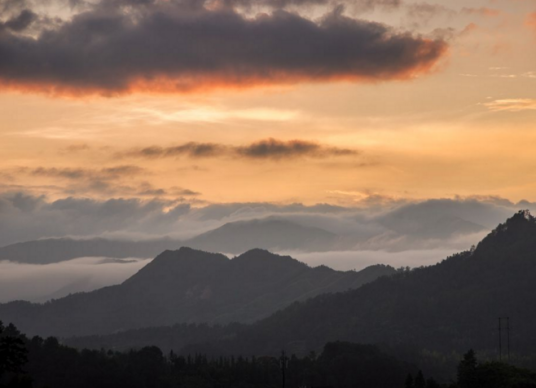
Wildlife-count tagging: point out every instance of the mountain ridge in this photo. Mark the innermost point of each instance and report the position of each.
(448, 307)
(189, 286)
(234, 238)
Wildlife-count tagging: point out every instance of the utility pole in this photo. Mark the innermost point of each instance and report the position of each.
(283, 363)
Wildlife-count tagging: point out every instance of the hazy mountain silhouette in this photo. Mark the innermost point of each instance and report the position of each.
(453, 305)
(276, 234)
(235, 237)
(425, 225)
(188, 286)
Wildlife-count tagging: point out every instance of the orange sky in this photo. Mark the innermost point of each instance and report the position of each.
(465, 128)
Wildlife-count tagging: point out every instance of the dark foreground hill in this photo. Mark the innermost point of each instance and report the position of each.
(453, 305)
(188, 286)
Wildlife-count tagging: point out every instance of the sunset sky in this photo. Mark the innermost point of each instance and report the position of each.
(282, 101)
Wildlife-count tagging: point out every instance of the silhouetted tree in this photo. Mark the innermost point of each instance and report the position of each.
(431, 383)
(409, 382)
(419, 380)
(13, 356)
(467, 370)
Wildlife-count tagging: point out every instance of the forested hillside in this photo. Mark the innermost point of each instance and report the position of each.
(188, 286)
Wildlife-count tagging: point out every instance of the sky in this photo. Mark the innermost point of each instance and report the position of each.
(278, 101)
(129, 117)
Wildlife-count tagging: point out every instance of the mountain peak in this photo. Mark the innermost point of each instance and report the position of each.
(273, 233)
(523, 214)
(257, 253)
(520, 220)
(168, 265)
(266, 258)
(518, 231)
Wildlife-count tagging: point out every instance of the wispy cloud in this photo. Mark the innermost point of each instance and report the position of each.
(511, 105)
(39, 283)
(121, 180)
(106, 173)
(195, 114)
(482, 11)
(530, 21)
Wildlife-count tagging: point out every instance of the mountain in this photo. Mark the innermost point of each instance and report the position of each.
(235, 237)
(188, 286)
(271, 233)
(451, 306)
(428, 226)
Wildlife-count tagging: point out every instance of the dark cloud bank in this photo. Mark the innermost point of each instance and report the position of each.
(118, 47)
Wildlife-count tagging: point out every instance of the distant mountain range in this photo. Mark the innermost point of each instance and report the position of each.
(188, 286)
(274, 234)
(236, 237)
(451, 306)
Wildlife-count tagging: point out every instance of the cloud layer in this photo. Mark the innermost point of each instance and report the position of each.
(119, 47)
(393, 226)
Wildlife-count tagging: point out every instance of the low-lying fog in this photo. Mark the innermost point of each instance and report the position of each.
(39, 283)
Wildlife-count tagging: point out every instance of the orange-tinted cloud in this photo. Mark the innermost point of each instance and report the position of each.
(531, 21)
(511, 105)
(482, 11)
(166, 48)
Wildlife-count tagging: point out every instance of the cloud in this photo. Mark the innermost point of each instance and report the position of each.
(190, 149)
(27, 217)
(107, 173)
(39, 283)
(530, 21)
(277, 149)
(121, 180)
(482, 11)
(387, 225)
(266, 149)
(355, 5)
(20, 22)
(75, 148)
(511, 105)
(160, 46)
(423, 13)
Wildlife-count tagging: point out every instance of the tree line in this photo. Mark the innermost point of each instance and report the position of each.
(46, 363)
